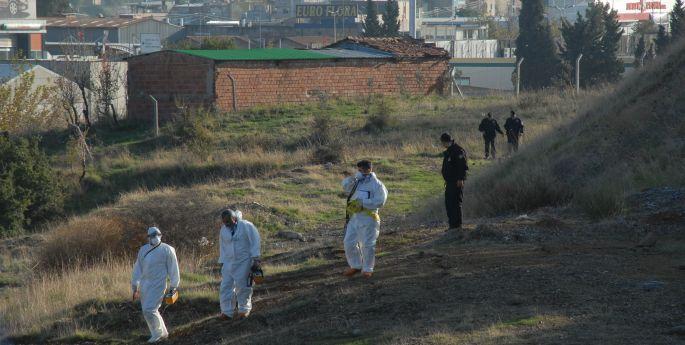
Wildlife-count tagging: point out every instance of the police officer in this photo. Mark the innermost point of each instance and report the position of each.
(490, 128)
(454, 167)
(514, 128)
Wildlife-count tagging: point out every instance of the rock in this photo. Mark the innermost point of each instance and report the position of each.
(653, 285)
(525, 217)
(648, 241)
(328, 166)
(484, 232)
(677, 330)
(291, 235)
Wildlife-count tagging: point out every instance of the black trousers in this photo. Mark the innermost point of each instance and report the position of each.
(454, 196)
(489, 146)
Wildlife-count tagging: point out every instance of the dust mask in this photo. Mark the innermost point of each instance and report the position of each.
(155, 240)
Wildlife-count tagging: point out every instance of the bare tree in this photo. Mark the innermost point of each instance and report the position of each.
(67, 98)
(106, 89)
(82, 148)
(78, 70)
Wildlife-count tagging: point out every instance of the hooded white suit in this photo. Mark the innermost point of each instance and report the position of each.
(363, 229)
(237, 249)
(152, 268)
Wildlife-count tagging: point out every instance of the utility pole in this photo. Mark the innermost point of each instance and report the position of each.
(156, 124)
(580, 56)
(518, 76)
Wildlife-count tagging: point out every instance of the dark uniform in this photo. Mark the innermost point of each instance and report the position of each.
(454, 167)
(490, 128)
(514, 128)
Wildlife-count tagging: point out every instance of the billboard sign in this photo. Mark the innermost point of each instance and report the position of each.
(17, 9)
(319, 11)
(653, 7)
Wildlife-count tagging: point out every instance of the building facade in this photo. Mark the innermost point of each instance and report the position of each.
(239, 79)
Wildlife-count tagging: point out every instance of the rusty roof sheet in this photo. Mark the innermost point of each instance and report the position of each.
(89, 22)
(401, 47)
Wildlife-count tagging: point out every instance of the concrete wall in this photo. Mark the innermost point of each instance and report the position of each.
(496, 73)
(175, 79)
(259, 83)
(490, 75)
(93, 67)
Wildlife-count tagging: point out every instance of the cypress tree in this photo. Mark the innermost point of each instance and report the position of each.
(662, 40)
(535, 43)
(677, 21)
(391, 23)
(372, 28)
(639, 51)
(612, 66)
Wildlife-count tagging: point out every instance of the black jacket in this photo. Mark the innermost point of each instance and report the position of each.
(489, 127)
(513, 126)
(454, 164)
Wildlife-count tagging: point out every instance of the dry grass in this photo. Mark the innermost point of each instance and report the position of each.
(617, 145)
(183, 194)
(35, 307)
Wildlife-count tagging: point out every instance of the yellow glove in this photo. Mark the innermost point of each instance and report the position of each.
(354, 206)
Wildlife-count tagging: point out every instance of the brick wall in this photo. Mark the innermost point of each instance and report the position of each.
(173, 78)
(269, 82)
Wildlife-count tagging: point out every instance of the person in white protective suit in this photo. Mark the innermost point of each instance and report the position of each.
(155, 264)
(239, 251)
(366, 194)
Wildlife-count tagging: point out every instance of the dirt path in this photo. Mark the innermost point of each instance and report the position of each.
(526, 281)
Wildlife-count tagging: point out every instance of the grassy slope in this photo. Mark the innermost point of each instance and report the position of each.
(183, 199)
(629, 140)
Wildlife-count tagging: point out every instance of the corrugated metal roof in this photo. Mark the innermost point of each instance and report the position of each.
(257, 54)
(353, 54)
(86, 22)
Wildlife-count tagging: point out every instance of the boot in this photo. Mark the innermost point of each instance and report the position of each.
(351, 271)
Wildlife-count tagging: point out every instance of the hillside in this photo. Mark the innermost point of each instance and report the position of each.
(596, 258)
(630, 140)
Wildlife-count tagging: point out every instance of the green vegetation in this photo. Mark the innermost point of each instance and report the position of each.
(615, 148)
(29, 190)
(262, 161)
(596, 36)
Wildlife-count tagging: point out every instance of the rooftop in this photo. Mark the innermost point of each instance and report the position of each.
(400, 47)
(257, 54)
(88, 22)
(633, 17)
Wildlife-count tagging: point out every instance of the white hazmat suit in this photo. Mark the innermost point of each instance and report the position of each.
(155, 263)
(363, 228)
(239, 246)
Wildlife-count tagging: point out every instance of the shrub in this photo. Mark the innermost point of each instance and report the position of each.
(381, 117)
(601, 200)
(192, 129)
(29, 190)
(332, 152)
(321, 129)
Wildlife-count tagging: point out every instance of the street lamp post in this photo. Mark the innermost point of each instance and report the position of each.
(335, 32)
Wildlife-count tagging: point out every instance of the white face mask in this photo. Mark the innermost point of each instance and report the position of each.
(155, 240)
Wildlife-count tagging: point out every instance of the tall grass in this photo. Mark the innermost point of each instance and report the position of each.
(34, 307)
(621, 142)
(262, 164)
